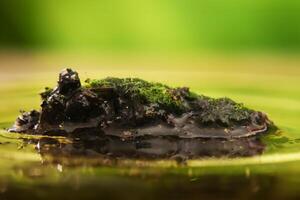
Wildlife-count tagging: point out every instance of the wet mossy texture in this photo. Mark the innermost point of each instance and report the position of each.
(175, 100)
(140, 90)
(131, 105)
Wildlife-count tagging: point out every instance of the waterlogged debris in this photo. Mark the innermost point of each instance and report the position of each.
(134, 118)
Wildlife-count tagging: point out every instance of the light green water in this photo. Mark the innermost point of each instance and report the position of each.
(267, 84)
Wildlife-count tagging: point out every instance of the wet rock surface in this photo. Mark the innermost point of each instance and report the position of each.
(135, 118)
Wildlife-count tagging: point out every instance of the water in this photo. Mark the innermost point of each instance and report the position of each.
(268, 84)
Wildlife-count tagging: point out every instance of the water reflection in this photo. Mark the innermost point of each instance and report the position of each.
(111, 147)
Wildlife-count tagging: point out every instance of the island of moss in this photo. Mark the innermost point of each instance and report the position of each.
(132, 107)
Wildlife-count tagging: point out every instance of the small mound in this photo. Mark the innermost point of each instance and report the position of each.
(132, 107)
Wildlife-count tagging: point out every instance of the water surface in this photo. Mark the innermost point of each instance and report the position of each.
(269, 84)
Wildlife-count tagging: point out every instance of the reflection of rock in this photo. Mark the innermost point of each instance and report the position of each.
(148, 147)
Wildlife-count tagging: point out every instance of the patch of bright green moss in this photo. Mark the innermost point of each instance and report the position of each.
(143, 90)
(211, 110)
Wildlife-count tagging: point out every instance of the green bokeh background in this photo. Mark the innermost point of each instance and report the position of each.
(151, 25)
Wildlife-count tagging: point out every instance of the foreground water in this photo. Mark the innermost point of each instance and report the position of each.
(269, 84)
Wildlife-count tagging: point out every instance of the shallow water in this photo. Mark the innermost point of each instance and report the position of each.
(268, 84)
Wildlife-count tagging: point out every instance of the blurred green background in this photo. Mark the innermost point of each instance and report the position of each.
(150, 25)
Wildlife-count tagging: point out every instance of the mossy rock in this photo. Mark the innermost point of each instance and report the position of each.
(131, 105)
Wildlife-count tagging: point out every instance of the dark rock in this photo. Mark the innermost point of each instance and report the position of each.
(68, 81)
(26, 122)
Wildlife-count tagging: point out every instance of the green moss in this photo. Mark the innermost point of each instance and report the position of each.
(192, 95)
(223, 110)
(143, 90)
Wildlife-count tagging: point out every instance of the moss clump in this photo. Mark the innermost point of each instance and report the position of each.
(223, 111)
(131, 107)
(177, 100)
(142, 90)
